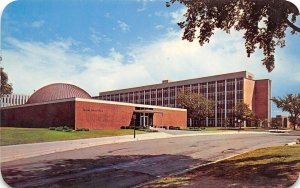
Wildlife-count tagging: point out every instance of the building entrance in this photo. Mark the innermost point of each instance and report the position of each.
(143, 117)
(144, 121)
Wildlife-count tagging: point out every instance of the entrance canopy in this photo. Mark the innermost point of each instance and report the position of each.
(148, 111)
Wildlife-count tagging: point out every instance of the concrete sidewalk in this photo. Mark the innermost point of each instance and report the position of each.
(14, 152)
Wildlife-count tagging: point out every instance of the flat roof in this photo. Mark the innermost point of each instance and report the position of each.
(95, 101)
(128, 104)
(149, 111)
(241, 74)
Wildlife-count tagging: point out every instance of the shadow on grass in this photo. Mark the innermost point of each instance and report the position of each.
(263, 168)
(271, 170)
(103, 171)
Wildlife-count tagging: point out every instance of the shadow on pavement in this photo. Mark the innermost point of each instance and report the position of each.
(103, 171)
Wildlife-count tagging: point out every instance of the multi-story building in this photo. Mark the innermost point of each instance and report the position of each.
(226, 90)
(13, 99)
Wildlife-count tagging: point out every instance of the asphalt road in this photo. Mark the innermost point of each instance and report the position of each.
(130, 164)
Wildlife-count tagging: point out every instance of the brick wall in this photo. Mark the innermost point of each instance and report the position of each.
(102, 116)
(43, 116)
(261, 102)
(81, 114)
(171, 118)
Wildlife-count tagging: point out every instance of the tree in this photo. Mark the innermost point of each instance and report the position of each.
(5, 87)
(196, 104)
(275, 124)
(264, 21)
(241, 113)
(291, 104)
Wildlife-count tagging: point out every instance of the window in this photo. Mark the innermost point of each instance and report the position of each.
(195, 88)
(187, 88)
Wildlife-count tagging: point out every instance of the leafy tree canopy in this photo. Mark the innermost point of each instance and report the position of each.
(264, 22)
(196, 104)
(291, 104)
(5, 87)
(242, 112)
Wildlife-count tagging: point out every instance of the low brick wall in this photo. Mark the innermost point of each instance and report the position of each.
(39, 116)
(90, 114)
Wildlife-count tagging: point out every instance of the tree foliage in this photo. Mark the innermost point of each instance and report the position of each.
(291, 104)
(264, 22)
(241, 113)
(6, 88)
(196, 104)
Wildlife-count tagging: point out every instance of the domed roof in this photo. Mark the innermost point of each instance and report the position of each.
(57, 91)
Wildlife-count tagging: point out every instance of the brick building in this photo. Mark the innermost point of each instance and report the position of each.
(67, 105)
(281, 121)
(226, 90)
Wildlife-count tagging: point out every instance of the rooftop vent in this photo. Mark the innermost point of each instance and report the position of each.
(166, 81)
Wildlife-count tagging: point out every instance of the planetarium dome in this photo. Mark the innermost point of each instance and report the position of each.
(57, 91)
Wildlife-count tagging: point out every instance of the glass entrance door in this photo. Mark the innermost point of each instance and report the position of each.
(144, 121)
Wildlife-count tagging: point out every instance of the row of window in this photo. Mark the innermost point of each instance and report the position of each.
(167, 96)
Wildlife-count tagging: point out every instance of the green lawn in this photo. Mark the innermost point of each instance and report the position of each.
(272, 166)
(12, 135)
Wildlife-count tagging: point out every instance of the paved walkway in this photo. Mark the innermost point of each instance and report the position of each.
(14, 152)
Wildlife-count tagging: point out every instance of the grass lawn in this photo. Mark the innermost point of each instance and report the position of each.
(267, 167)
(12, 135)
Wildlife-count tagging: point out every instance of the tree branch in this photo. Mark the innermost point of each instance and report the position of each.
(292, 25)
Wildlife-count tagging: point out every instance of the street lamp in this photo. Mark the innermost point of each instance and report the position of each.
(134, 117)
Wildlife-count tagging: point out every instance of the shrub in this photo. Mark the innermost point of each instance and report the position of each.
(122, 127)
(59, 128)
(67, 130)
(148, 130)
(52, 128)
(66, 127)
(82, 129)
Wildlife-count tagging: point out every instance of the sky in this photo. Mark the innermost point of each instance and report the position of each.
(102, 45)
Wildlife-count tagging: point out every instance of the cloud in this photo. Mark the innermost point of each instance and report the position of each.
(175, 16)
(123, 26)
(31, 65)
(141, 9)
(37, 24)
(159, 27)
(96, 37)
